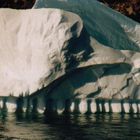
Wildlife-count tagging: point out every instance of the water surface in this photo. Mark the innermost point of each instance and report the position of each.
(71, 127)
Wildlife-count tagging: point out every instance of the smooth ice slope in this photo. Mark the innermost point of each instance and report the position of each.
(104, 24)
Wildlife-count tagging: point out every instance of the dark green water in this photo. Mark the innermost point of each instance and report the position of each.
(71, 127)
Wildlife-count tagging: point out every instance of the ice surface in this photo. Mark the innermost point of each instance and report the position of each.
(90, 52)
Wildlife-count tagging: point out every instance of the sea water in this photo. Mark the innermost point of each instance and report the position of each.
(70, 127)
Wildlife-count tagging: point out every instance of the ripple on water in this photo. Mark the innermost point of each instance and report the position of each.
(71, 127)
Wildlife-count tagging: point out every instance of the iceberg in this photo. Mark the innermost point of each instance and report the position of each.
(67, 49)
(114, 38)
